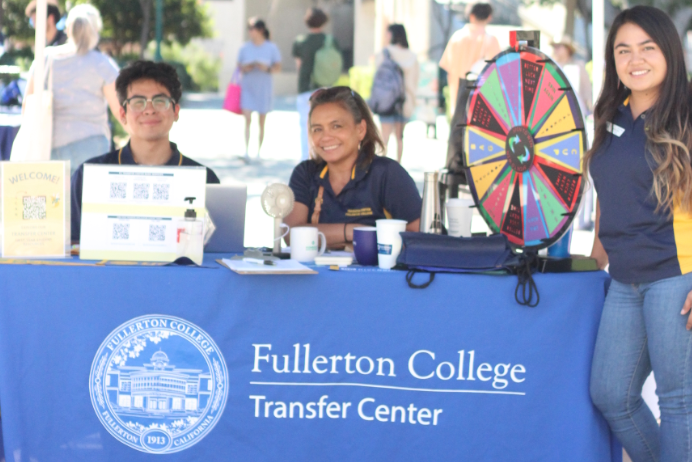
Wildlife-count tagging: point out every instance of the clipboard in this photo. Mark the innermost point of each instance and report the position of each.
(281, 267)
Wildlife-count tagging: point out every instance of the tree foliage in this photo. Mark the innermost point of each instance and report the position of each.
(124, 20)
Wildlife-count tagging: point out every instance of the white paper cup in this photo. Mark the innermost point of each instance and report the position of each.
(388, 241)
(459, 212)
(304, 243)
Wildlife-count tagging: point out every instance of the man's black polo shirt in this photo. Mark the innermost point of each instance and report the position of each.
(379, 189)
(120, 157)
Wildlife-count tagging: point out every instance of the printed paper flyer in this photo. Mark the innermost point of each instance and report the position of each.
(33, 209)
(134, 213)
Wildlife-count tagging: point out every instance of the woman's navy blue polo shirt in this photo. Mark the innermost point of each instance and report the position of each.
(642, 245)
(379, 189)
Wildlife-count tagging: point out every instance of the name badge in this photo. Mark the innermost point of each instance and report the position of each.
(615, 129)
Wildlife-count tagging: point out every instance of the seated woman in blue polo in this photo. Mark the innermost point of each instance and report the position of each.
(345, 184)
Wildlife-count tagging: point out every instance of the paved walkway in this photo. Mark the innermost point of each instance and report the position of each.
(216, 138)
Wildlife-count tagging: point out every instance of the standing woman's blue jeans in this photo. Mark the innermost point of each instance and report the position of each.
(642, 330)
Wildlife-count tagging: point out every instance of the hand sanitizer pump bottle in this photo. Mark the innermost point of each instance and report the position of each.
(190, 235)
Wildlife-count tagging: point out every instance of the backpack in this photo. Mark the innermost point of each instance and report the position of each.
(328, 64)
(388, 89)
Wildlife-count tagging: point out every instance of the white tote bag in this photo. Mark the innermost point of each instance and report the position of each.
(33, 142)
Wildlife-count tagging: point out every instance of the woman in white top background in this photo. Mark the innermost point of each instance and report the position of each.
(84, 83)
(407, 60)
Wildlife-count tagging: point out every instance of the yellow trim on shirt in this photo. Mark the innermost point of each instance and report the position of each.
(683, 234)
(323, 172)
(627, 101)
(388, 215)
(352, 177)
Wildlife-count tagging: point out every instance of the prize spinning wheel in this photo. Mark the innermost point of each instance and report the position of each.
(524, 142)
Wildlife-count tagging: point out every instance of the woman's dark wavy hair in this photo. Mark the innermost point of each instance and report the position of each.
(668, 123)
(258, 24)
(162, 73)
(352, 102)
(398, 35)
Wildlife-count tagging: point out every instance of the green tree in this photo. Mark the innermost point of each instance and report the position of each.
(125, 21)
(132, 21)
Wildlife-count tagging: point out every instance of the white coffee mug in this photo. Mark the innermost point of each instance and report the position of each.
(388, 241)
(304, 243)
(459, 212)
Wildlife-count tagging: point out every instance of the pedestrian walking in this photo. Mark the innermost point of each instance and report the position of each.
(641, 164)
(258, 59)
(468, 49)
(564, 54)
(393, 119)
(83, 85)
(313, 73)
(54, 36)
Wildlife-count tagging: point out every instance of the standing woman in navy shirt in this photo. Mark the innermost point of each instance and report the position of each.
(345, 184)
(642, 169)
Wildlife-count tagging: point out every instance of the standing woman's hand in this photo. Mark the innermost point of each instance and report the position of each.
(688, 308)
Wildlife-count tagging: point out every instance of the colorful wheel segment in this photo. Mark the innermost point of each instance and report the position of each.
(524, 141)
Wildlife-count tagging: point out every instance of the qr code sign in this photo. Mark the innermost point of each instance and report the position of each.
(141, 191)
(34, 207)
(121, 231)
(160, 192)
(157, 232)
(118, 190)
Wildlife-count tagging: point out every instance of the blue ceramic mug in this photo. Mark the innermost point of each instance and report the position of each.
(364, 244)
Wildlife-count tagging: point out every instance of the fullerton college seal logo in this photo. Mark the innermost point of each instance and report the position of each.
(159, 384)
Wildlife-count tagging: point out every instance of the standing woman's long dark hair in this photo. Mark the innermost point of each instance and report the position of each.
(257, 23)
(398, 35)
(669, 122)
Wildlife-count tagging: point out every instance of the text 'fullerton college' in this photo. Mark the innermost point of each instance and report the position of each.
(422, 365)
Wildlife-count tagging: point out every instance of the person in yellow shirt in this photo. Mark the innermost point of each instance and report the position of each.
(468, 49)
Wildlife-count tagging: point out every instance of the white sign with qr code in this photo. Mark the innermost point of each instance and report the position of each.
(133, 212)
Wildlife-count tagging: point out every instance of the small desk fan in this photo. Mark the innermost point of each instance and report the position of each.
(277, 201)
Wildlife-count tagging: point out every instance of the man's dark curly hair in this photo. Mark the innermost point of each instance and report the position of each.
(162, 73)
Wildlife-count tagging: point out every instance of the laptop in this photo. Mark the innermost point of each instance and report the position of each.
(227, 207)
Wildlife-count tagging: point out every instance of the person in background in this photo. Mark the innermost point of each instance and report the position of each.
(258, 58)
(641, 164)
(149, 95)
(468, 48)
(575, 70)
(303, 50)
(345, 184)
(54, 36)
(407, 60)
(83, 86)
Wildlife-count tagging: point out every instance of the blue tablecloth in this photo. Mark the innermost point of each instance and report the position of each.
(7, 136)
(349, 366)
(9, 126)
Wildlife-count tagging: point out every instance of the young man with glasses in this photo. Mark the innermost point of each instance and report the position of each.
(149, 94)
